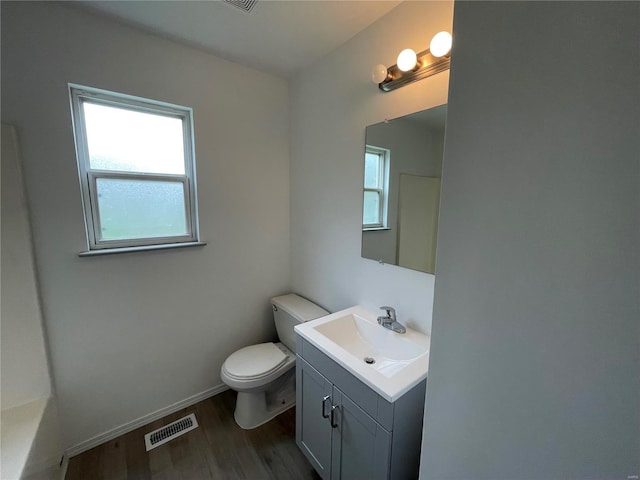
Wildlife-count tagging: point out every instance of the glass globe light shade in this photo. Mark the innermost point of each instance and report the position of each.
(440, 44)
(407, 60)
(378, 73)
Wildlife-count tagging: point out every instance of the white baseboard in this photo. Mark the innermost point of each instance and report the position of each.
(140, 422)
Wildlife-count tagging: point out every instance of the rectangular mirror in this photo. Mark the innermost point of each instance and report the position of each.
(401, 201)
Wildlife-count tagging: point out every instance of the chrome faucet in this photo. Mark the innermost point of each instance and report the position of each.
(389, 320)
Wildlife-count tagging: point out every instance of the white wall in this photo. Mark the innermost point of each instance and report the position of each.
(535, 357)
(331, 104)
(25, 375)
(24, 365)
(133, 333)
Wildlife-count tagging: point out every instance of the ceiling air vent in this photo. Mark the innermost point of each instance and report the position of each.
(244, 5)
(169, 432)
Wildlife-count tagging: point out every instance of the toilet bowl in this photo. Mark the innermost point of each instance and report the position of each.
(264, 374)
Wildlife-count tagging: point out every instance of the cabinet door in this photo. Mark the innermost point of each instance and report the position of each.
(361, 448)
(313, 432)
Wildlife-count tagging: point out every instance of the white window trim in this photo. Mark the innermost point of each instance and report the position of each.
(383, 187)
(88, 176)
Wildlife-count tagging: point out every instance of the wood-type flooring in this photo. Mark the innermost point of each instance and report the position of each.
(217, 449)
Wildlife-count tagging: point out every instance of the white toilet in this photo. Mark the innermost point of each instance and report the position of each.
(264, 375)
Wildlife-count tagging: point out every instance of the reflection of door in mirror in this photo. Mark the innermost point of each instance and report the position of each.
(418, 222)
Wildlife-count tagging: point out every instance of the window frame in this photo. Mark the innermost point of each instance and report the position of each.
(382, 189)
(88, 176)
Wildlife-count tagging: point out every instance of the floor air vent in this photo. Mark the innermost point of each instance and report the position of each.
(244, 5)
(171, 431)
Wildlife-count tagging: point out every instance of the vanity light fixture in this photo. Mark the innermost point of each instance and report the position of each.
(411, 67)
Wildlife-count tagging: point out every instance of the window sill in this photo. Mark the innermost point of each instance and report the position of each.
(376, 229)
(142, 248)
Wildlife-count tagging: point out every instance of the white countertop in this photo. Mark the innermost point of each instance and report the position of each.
(396, 380)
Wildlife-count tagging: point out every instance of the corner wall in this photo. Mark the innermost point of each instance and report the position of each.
(131, 334)
(535, 346)
(25, 367)
(25, 374)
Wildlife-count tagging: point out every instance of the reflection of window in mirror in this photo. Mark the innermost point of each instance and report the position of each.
(376, 187)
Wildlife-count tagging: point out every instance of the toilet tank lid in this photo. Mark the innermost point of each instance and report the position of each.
(300, 308)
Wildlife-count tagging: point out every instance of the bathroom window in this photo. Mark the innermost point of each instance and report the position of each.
(137, 170)
(376, 186)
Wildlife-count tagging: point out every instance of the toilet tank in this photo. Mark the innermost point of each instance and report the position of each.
(290, 310)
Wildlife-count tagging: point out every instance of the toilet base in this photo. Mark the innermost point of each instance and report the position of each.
(255, 408)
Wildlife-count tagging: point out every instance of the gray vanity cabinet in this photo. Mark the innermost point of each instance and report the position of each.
(346, 430)
(360, 447)
(313, 431)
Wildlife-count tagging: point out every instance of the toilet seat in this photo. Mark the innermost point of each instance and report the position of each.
(256, 364)
(263, 375)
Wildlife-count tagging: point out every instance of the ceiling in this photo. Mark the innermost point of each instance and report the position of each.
(279, 37)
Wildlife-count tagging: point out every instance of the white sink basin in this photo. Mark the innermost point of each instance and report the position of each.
(390, 363)
(385, 351)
